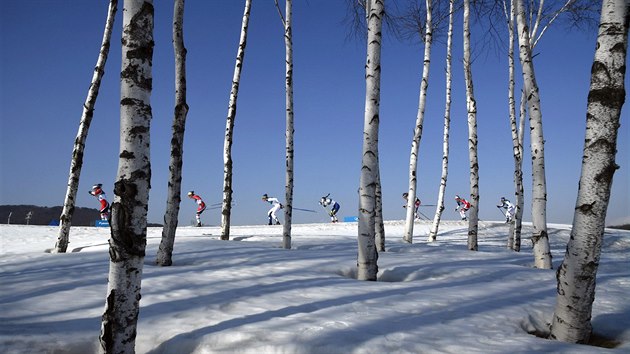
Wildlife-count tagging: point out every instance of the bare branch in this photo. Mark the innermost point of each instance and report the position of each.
(284, 24)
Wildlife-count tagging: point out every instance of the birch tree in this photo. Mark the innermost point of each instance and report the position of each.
(471, 107)
(173, 195)
(226, 208)
(367, 258)
(76, 163)
(514, 236)
(540, 237)
(129, 210)
(417, 134)
(288, 41)
(359, 23)
(447, 124)
(541, 16)
(577, 273)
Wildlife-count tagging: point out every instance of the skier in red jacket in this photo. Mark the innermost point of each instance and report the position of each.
(97, 191)
(416, 205)
(462, 205)
(201, 206)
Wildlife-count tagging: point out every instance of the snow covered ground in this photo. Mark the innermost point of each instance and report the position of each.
(248, 295)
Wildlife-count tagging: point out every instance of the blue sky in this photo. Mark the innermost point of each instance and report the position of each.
(49, 50)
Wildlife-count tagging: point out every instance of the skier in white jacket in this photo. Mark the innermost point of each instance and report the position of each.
(275, 206)
(326, 201)
(510, 209)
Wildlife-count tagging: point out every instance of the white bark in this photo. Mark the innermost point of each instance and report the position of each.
(173, 199)
(540, 238)
(226, 208)
(520, 199)
(577, 274)
(76, 163)
(471, 106)
(367, 267)
(129, 209)
(447, 124)
(417, 133)
(288, 41)
(514, 235)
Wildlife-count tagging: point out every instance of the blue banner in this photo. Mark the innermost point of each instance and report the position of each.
(101, 223)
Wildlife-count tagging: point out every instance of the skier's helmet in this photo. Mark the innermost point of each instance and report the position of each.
(191, 193)
(457, 197)
(502, 199)
(405, 195)
(97, 186)
(265, 196)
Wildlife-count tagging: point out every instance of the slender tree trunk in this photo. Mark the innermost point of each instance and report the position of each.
(471, 106)
(129, 210)
(288, 208)
(367, 258)
(540, 238)
(576, 276)
(417, 133)
(447, 124)
(517, 142)
(165, 251)
(520, 199)
(226, 209)
(76, 163)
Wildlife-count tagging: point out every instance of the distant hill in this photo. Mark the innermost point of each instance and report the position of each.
(49, 215)
(46, 215)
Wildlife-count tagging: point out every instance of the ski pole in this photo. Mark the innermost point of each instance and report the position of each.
(221, 203)
(426, 217)
(498, 206)
(308, 210)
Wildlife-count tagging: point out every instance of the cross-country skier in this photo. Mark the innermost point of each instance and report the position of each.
(97, 191)
(416, 205)
(201, 206)
(275, 206)
(326, 201)
(510, 209)
(462, 205)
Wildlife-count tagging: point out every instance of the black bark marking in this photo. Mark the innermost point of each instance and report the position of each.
(127, 155)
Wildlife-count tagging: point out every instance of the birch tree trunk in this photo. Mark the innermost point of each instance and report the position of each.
(417, 133)
(226, 208)
(76, 163)
(540, 238)
(288, 208)
(471, 106)
(367, 258)
(520, 199)
(173, 198)
(129, 209)
(514, 235)
(576, 276)
(447, 124)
